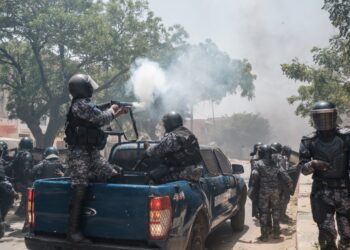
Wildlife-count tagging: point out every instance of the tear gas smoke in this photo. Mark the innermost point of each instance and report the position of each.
(148, 81)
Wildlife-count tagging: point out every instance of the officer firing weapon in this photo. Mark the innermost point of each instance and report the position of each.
(129, 106)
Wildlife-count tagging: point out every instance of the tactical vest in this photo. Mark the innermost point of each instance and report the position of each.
(49, 169)
(268, 174)
(335, 152)
(23, 161)
(80, 132)
(189, 153)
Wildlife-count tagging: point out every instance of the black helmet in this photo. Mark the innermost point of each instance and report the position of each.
(276, 147)
(324, 116)
(3, 149)
(264, 152)
(81, 86)
(255, 148)
(286, 150)
(171, 121)
(51, 151)
(26, 143)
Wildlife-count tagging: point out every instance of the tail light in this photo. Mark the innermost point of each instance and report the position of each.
(30, 207)
(160, 214)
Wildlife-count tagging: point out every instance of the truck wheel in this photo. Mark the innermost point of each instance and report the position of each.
(237, 221)
(197, 237)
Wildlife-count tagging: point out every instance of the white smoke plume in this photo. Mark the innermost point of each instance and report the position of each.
(148, 81)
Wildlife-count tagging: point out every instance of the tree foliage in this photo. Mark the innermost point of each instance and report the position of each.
(44, 42)
(329, 78)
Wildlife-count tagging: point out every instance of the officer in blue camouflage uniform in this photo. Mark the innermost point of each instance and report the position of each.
(7, 192)
(50, 166)
(286, 191)
(85, 139)
(253, 191)
(325, 155)
(20, 171)
(178, 150)
(281, 162)
(268, 174)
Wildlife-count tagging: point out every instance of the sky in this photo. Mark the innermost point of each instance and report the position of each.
(267, 33)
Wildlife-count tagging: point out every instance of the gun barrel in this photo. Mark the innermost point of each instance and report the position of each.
(123, 104)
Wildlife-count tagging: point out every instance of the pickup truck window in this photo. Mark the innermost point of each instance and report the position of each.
(127, 158)
(210, 162)
(224, 163)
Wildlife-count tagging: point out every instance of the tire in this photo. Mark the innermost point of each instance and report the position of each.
(237, 221)
(197, 236)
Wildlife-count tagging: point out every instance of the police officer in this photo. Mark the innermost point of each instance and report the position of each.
(7, 192)
(254, 189)
(268, 173)
(50, 166)
(286, 191)
(21, 167)
(178, 151)
(277, 153)
(325, 155)
(85, 138)
(4, 153)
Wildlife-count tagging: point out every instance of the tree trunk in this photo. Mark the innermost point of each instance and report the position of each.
(39, 137)
(56, 122)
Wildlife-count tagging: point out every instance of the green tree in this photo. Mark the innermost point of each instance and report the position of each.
(329, 78)
(44, 42)
(238, 133)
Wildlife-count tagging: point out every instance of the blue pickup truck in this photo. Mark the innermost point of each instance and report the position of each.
(132, 214)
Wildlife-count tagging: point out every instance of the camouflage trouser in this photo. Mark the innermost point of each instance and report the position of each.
(86, 164)
(285, 198)
(332, 201)
(190, 173)
(269, 200)
(22, 189)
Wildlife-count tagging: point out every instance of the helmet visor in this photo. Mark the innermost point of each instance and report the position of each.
(324, 119)
(93, 84)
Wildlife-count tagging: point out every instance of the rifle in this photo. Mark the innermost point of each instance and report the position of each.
(129, 106)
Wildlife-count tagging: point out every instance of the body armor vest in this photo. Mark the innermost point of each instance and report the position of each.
(80, 132)
(335, 153)
(22, 162)
(268, 174)
(189, 153)
(50, 169)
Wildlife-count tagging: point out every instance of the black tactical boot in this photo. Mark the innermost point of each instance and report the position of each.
(276, 231)
(74, 234)
(264, 234)
(326, 241)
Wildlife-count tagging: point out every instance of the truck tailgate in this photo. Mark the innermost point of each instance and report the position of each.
(111, 211)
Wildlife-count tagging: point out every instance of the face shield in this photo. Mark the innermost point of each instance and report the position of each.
(93, 84)
(324, 119)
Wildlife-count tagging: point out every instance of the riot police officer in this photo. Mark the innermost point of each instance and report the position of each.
(285, 190)
(178, 151)
(85, 138)
(21, 167)
(254, 189)
(268, 173)
(7, 192)
(50, 166)
(325, 155)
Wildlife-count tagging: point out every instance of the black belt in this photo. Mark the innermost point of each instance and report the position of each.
(334, 183)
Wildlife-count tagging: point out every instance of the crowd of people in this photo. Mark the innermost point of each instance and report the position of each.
(17, 173)
(270, 186)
